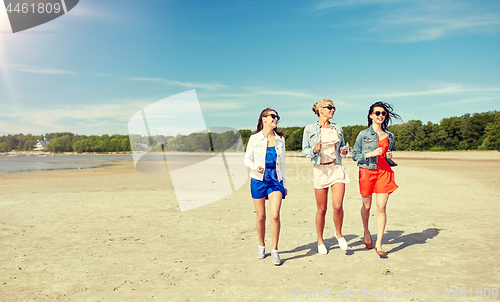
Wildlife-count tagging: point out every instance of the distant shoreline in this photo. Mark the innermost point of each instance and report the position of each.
(405, 154)
(18, 161)
(64, 153)
(431, 155)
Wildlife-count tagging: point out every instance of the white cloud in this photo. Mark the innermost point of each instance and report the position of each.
(279, 91)
(226, 95)
(467, 101)
(338, 3)
(434, 26)
(217, 106)
(228, 91)
(402, 21)
(450, 89)
(39, 70)
(187, 85)
(461, 103)
(90, 119)
(289, 93)
(446, 90)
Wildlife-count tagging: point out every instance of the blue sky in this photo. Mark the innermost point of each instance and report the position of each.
(91, 70)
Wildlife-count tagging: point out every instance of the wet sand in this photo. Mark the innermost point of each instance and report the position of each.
(114, 234)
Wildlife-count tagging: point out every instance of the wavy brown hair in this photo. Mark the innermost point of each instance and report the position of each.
(265, 113)
(390, 114)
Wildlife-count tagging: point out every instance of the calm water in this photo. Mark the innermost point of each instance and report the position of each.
(17, 163)
(54, 162)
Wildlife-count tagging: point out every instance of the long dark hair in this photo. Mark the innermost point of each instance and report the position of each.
(260, 125)
(390, 114)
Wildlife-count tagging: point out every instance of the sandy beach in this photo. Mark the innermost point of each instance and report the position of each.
(114, 234)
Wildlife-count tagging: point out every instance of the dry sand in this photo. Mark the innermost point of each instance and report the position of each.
(114, 234)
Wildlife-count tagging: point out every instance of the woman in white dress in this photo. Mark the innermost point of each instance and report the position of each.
(324, 143)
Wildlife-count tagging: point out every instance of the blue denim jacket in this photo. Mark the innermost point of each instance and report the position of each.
(367, 141)
(312, 135)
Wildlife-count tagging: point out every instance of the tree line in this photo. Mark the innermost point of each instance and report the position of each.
(66, 142)
(194, 142)
(69, 142)
(478, 131)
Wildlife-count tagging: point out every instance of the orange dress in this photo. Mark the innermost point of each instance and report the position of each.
(380, 180)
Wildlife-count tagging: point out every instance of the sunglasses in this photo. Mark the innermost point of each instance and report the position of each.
(330, 107)
(274, 116)
(377, 113)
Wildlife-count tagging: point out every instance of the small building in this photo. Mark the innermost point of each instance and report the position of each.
(40, 145)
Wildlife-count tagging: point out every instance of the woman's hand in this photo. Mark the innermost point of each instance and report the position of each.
(343, 150)
(375, 152)
(317, 147)
(286, 192)
(388, 154)
(260, 170)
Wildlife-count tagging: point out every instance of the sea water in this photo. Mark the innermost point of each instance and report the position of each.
(16, 163)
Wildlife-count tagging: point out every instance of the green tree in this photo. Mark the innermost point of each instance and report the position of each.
(62, 144)
(492, 134)
(448, 132)
(294, 141)
(225, 141)
(351, 133)
(245, 136)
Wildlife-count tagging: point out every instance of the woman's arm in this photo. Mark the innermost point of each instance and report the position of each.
(306, 148)
(357, 152)
(249, 158)
(342, 143)
(388, 154)
(283, 163)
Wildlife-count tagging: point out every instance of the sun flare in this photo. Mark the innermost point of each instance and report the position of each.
(5, 30)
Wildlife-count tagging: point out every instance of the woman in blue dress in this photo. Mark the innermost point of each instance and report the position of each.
(265, 156)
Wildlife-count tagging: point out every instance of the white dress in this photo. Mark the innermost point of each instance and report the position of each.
(328, 173)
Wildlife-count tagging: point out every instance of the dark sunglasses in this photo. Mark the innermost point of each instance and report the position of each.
(274, 116)
(377, 113)
(330, 107)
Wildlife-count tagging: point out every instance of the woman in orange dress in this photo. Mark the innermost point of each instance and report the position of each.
(372, 151)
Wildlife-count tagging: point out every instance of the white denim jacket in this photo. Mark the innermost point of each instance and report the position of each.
(255, 156)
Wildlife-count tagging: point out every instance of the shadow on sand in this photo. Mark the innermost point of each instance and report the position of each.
(390, 237)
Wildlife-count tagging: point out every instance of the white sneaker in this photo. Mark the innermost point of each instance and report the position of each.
(261, 252)
(322, 249)
(276, 257)
(342, 243)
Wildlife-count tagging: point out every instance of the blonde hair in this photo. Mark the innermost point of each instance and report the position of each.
(317, 106)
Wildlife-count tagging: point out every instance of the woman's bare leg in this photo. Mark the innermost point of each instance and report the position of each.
(382, 199)
(321, 201)
(260, 210)
(365, 215)
(274, 209)
(338, 191)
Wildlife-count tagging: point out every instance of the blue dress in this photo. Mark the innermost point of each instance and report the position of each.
(270, 182)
